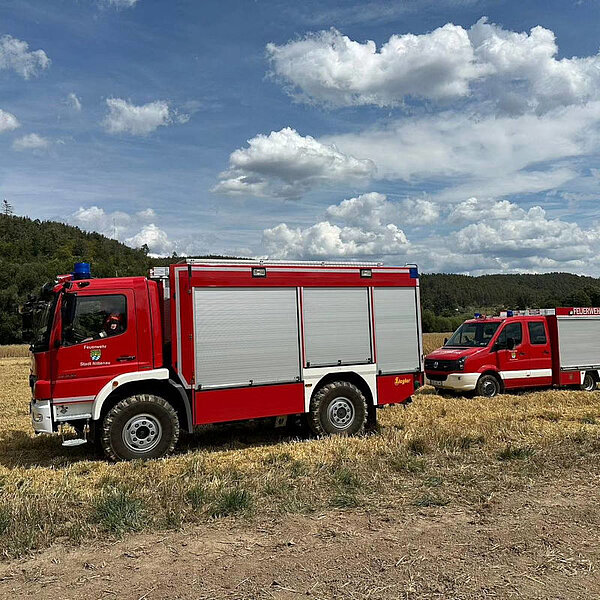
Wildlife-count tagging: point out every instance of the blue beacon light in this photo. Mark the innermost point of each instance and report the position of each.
(82, 271)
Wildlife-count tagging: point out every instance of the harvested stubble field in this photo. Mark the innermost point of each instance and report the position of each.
(451, 498)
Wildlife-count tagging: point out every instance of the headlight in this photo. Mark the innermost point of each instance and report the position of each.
(461, 363)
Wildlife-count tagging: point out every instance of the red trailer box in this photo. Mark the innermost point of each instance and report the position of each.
(519, 349)
(130, 361)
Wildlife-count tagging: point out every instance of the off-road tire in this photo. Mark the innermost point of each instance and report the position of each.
(164, 421)
(589, 382)
(488, 386)
(324, 402)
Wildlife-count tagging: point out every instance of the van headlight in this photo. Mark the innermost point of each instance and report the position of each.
(461, 363)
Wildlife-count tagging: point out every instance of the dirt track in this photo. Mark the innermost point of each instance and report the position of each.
(542, 544)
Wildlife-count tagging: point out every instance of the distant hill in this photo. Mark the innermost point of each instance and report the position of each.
(33, 252)
(447, 298)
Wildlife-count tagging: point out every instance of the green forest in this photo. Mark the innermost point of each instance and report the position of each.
(33, 252)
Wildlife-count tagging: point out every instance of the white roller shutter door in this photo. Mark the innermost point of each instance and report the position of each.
(579, 341)
(337, 326)
(396, 329)
(246, 336)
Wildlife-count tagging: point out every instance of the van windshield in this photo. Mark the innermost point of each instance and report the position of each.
(473, 335)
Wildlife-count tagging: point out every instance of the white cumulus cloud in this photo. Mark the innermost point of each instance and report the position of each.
(475, 209)
(125, 117)
(8, 121)
(31, 141)
(517, 70)
(526, 233)
(134, 229)
(15, 55)
(286, 164)
(154, 238)
(324, 240)
(330, 67)
(365, 229)
(373, 210)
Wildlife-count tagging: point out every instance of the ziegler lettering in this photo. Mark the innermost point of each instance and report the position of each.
(399, 381)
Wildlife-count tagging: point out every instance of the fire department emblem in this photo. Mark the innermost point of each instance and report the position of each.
(95, 355)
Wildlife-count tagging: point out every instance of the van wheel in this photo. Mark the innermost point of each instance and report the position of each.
(589, 383)
(487, 386)
(338, 408)
(141, 426)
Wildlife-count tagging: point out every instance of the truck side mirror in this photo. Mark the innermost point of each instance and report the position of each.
(510, 343)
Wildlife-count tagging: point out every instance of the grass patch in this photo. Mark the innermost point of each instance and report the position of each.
(429, 500)
(4, 519)
(230, 502)
(406, 464)
(197, 496)
(417, 445)
(347, 486)
(515, 452)
(117, 511)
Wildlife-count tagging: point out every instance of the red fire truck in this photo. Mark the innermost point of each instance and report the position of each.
(130, 361)
(520, 349)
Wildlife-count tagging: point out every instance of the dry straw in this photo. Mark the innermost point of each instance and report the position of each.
(436, 452)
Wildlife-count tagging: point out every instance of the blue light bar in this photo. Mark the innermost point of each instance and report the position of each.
(81, 270)
(509, 313)
(477, 315)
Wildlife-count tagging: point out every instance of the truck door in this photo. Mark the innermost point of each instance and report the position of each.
(539, 350)
(513, 363)
(98, 341)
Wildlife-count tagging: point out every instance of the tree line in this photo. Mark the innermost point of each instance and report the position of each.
(33, 252)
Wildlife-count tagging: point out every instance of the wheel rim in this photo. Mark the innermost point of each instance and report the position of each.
(341, 413)
(490, 388)
(588, 383)
(142, 433)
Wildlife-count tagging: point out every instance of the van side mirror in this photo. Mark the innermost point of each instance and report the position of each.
(510, 343)
(445, 341)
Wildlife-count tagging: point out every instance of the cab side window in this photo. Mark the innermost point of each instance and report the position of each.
(512, 330)
(537, 332)
(89, 318)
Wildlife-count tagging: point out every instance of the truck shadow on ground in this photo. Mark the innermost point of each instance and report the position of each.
(19, 449)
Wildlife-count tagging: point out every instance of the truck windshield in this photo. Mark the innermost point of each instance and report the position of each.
(41, 317)
(473, 335)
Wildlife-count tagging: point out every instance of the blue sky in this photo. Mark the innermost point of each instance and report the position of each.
(462, 135)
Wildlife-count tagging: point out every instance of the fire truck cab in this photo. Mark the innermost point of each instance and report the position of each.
(520, 349)
(130, 361)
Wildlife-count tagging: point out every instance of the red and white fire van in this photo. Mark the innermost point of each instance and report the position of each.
(129, 361)
(520, 349)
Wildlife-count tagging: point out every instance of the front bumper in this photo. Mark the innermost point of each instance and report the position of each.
(41, 416)
(461, 382)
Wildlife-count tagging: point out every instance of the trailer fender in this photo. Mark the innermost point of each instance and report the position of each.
(113, 384)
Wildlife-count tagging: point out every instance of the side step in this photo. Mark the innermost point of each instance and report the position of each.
(70, 443)
(74, 442)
